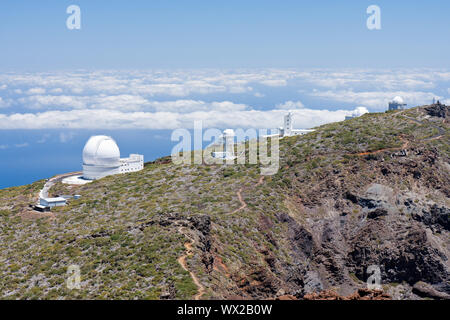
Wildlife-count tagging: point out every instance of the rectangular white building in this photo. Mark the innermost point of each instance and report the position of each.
(52, 202)
(135, 162)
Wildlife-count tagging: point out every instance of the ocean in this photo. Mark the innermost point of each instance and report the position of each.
(30, 155)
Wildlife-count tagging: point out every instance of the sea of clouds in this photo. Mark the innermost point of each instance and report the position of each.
(170, 99)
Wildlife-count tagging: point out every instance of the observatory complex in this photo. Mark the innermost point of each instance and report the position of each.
(101, 158)
(288, 129)
(227, 140)
(397, 104)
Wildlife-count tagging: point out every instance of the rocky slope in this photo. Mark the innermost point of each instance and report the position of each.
(368, 191)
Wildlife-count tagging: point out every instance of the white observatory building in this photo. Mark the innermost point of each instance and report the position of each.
(227, 140)
(101, 158)
(397, 104)
(288, 129)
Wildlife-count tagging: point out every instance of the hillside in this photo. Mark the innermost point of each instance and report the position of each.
(370, 190)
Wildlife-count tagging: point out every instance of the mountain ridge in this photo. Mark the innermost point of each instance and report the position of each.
(372, 190)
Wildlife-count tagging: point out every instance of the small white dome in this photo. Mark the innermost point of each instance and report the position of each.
(101, 151)
(359, 111)
(398, 100)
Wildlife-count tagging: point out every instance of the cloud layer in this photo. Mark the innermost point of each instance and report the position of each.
(162, 99)
(112, 119)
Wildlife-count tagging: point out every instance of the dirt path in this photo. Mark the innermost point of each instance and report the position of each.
(182, 261)
(241, 200)
(190, 251)
(404, 146)
(243, 204)
(440, 134)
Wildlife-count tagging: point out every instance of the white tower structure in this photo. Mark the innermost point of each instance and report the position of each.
(226, 141)
(228, 137)
(288, 126)
(288, 129)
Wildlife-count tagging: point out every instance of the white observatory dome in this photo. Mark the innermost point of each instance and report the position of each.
(102, 151)
(398, 100)
(101, 157)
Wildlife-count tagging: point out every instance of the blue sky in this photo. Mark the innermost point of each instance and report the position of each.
(231, 34)
(137, 70)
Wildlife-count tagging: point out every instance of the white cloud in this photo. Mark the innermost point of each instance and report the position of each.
(124, 103)
(375, 99)
(381, 79)
(4, 103)
(66, 136)
(186, 106)
(274, 82)
(178, 90)
(121, 102)
(170, 99)
(22, 145)
(76, 90)
(239, 89)
(113, 119)
(56, 90)
(171, 83)
(36, 91)
(3, 146)
(290, 105)
(186, 83)
(359, 111)
(48, 101)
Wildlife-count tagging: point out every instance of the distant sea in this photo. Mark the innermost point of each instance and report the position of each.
(30, 155)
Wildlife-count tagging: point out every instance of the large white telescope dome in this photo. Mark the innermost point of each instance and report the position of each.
(101, 151)
(101, 158)
(398, 100)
